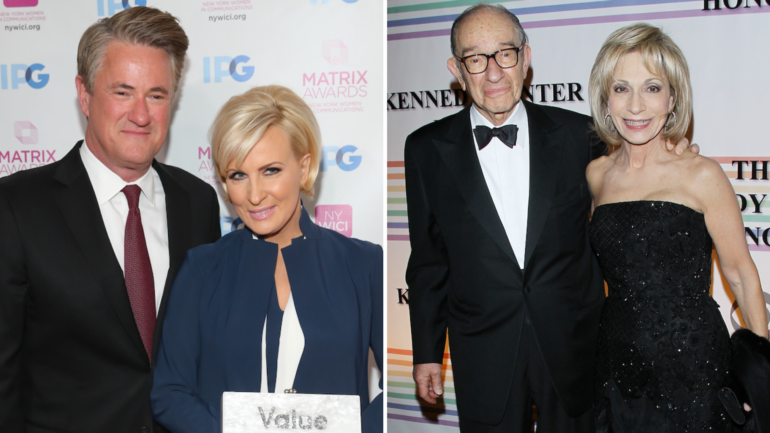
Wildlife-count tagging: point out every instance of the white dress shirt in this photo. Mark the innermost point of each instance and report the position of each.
(113, 205)
(506, 172)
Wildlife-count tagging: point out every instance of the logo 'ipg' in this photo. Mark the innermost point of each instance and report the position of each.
(335, 156)
(337, 217)
(22, 74)
(115, 6)
(230, 224)
(224, 66)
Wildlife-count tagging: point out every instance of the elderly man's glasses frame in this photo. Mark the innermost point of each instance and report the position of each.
(479, 62)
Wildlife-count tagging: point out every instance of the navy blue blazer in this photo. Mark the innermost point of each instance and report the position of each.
(212, 335)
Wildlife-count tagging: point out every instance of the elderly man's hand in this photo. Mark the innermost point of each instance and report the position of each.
(428, 380)
(682, 145)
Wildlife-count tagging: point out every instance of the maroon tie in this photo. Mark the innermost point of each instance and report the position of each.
(139, 281)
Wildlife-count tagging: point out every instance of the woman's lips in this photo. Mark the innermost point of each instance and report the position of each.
(262, 214)
(636, 124)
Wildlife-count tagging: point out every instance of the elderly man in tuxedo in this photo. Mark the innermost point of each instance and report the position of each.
(91, 244)
(498, 217)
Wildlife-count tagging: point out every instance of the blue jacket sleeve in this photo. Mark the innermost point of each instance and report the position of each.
(371, 419)
(175, 401)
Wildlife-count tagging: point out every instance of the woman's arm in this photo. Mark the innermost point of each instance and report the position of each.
(371, 418)
(175, 401)
(714, 193)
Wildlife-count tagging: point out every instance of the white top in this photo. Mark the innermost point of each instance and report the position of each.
(506, 172)
(113, 205)
(291, 344)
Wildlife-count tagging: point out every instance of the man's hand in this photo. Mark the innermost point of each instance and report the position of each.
(428, 380)
(682, 145)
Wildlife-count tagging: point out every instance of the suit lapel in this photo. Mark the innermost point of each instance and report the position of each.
(77, 203)
(457, 152)
(178, 221)
(544, 153)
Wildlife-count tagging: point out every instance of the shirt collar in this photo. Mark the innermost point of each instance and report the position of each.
(107, 184)
(518, 117)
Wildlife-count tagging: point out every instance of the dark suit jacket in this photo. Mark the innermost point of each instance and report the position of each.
(462, 273)
(212, 341)
(71, 358)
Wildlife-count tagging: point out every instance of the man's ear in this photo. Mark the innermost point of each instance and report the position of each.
(526, 59)
(454, 67)
(84, 98)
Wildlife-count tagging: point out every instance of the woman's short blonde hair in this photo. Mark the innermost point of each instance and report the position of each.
(662, 57)
(244, 119)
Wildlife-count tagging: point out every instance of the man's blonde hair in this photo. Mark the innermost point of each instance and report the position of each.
(244, 119)
(662, 57)
(138, 25)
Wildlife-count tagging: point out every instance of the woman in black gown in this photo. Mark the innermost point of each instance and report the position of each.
(663, 346)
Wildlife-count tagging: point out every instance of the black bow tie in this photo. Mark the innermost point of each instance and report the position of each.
(506, 134)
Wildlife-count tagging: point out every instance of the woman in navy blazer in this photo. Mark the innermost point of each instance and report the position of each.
(224, 303)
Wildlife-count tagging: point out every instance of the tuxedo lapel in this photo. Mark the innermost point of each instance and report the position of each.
(178, 221)
(544, 153)
(457, 152)
(77, 203)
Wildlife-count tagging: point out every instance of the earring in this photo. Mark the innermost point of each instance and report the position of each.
(610, 125)
(673, 122)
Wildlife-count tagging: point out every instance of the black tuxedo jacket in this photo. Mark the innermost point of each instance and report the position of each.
(463, 275)
(71, 358)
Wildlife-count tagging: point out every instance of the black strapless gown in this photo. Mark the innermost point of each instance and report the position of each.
(663, 348)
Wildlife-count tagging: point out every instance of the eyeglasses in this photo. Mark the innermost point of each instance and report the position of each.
(505, 58)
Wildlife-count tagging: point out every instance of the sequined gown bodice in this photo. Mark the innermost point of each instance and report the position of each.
(663, 347)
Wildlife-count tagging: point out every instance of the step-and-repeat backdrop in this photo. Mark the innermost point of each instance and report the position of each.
(330, 52)
(723, 41)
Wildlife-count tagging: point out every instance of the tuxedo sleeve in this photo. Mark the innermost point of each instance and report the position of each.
(598, 147)
(427, 273)
(371, 418)
(174, 397)
(14, 286)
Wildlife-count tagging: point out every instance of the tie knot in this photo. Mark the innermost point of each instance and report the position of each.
(132, 193)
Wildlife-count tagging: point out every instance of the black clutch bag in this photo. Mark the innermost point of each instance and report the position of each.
(749, 382)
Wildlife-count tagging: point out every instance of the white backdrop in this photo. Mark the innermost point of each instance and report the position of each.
(727, 61)
(328, 51)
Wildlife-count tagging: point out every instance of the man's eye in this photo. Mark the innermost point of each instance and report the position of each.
(474, 59)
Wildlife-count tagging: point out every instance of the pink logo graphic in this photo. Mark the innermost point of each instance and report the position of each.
(25, 131)
(19, 3)
(337, 217)
(335, 52)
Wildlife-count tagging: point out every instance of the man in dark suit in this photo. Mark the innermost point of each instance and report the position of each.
(90, 245)
(498, 222)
